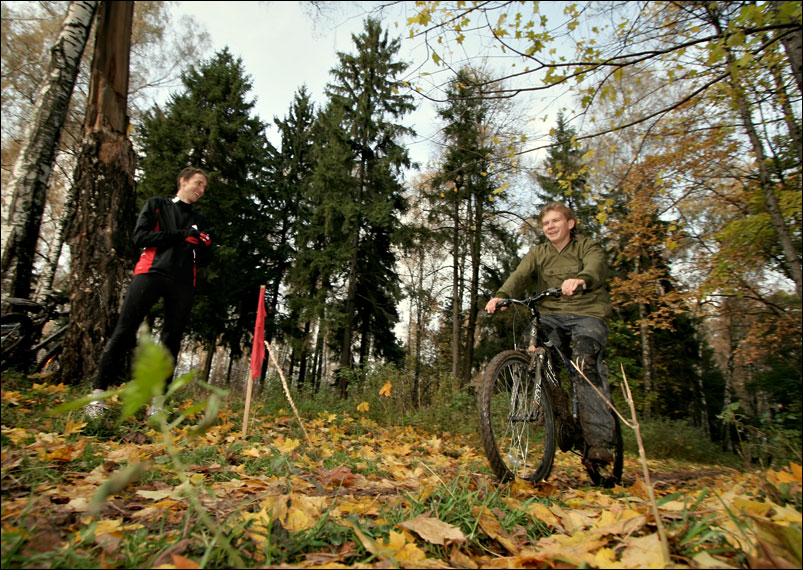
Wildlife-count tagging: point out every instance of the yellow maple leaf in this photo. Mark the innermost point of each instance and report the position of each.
(606, 558)
(109, 526)
(297, 520)
(434, 530)
(286, 445)
(575, 549)
(251, 452)
(363, 407)
(73, 427)
(157, 495)
(11, 398)
(541, 512)
(66, 453)
(778, 477)
(643, 552)
(493, 528)
(385, 391)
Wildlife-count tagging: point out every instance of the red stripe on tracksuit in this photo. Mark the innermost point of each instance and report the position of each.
(146, 259)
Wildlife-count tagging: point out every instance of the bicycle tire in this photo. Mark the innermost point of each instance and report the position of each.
(516, 422)
(16, 330)
(50, 363)
(608, 476)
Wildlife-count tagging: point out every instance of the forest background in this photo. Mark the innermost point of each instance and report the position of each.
(679, 151)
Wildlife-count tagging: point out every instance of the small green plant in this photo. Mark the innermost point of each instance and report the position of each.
(152, 367)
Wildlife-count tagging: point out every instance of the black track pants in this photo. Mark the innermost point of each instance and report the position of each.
(583, 340)
(143, 293)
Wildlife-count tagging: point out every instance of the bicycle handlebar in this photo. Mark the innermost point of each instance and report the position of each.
(530, 301)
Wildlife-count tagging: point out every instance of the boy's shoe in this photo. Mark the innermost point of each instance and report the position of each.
(600, 455)
(153, 410)
(155, 407)
(96, 409)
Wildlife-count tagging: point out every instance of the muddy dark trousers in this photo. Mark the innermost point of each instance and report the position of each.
(583, 341)
(143, 293)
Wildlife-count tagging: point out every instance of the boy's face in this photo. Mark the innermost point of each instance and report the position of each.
(557, 228)
(191, 189)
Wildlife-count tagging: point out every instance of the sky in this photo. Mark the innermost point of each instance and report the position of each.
(283, 48)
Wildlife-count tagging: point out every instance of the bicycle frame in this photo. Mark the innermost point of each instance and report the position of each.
(542, 352)
(49, 339)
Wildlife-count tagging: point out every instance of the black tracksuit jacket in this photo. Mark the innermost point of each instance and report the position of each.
(161, 230)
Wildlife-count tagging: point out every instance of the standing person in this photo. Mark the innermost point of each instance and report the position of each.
(576, 322)
(176, 239)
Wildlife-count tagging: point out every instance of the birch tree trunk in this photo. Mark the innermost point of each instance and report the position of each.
(792, 42)
(105, 202)
(646, 361)
(646, 353)
(34, 165)
(419, 332)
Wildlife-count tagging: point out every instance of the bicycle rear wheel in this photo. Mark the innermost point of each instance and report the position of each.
(16, 329)
(609, 475)
(516, 425)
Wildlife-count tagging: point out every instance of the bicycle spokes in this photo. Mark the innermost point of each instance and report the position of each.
(515, 419)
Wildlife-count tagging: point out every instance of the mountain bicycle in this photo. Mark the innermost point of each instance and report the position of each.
(23, 343)
(526, 408)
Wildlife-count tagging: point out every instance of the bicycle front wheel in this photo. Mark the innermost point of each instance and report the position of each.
(517, 426)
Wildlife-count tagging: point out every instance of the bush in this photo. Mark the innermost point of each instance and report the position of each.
(388, 391)
(677, 439)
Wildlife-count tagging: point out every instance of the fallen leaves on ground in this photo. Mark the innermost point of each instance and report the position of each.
(367, 496)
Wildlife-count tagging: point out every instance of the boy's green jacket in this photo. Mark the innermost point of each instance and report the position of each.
(543, 267)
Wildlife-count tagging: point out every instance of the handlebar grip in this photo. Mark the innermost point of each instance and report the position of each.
(503, 303)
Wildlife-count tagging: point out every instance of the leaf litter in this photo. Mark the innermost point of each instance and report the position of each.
(371, 496)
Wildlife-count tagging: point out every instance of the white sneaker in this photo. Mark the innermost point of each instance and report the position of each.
(154, 408)
(96, 409)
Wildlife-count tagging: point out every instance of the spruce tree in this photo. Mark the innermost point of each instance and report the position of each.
(564, 178)
(367, 102)
(464, 198)
(294, 166)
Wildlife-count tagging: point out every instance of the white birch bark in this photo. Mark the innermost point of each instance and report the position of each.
(34, 165)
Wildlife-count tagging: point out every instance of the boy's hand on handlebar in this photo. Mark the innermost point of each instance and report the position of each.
(490, 307)
(571, 285)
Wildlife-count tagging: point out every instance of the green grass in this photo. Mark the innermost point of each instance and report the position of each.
(44, 534)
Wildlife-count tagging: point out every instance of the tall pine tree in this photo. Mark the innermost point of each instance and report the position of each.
(366, 100)
(564, 178)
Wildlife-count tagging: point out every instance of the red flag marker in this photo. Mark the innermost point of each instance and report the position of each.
(258, 346)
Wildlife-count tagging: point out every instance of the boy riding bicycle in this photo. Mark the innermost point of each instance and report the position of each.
(576, 322)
